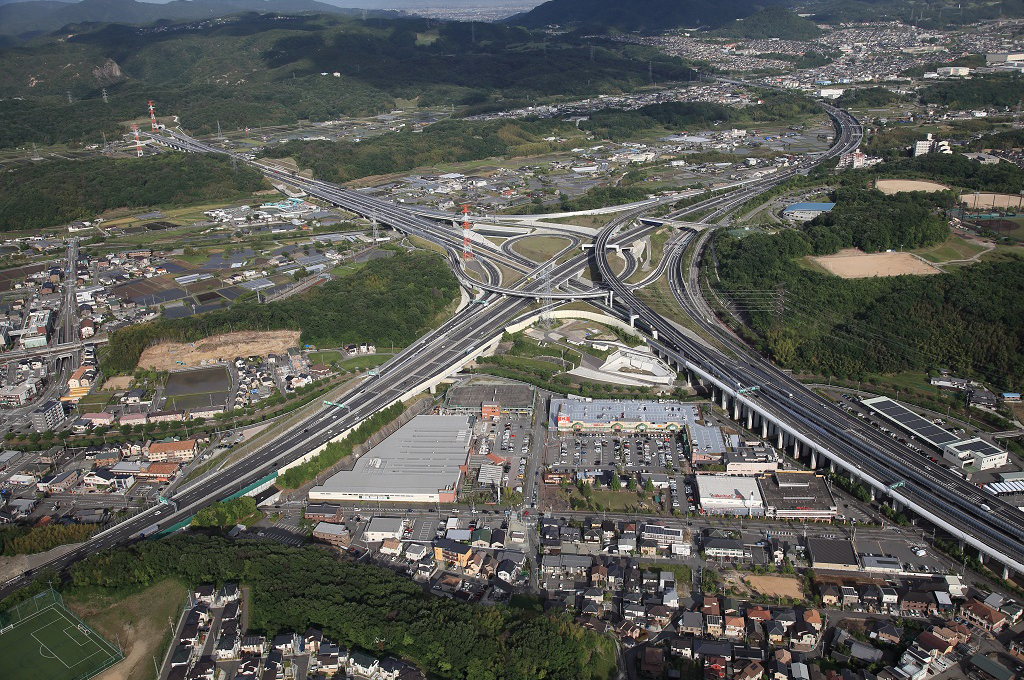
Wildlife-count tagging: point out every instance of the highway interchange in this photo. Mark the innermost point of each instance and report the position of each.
(779, 398)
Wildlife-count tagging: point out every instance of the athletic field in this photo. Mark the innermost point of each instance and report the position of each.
(41, 640)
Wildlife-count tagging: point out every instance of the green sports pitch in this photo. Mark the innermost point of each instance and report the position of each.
(41, 640)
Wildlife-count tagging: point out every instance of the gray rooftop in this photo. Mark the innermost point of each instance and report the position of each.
(607, 411)
(920, 426)
(508, 396)
(423, 456)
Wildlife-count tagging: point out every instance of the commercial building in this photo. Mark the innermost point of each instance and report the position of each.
(381, 528)
(976, 453)
(802, 212)
(48, 416)
(335, 534)
(423, 462)
(1003, 57)
(491, 401)
(612, 415)
(797, 495)
(953, 71)
(13, 396)
(752, 458)
(729, 495)
(828, 553)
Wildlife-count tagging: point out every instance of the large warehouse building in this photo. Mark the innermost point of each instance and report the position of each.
(730, 495)
(627, 415)
(422, 462)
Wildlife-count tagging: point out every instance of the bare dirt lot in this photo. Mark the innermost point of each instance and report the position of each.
(895, 186)
(121, 382)
(776, 586)
(992, 200)
(166, 355)
(856, 264)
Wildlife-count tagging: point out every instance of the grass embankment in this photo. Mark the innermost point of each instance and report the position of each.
(953, 248)
(654, 254)
(137, 620)
(540, 248)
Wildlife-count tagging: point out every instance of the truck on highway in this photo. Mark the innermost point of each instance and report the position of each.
(149, 531)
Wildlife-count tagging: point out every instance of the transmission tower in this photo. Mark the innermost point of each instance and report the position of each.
(376, 230)
(70, 100)
(1016, 114)
(467, 244)
(546, 320)
(138, 141)
(104, 95)
(152, 116)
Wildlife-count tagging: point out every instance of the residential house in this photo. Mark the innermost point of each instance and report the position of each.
(691, 623)
(829, 594)
(983, 616)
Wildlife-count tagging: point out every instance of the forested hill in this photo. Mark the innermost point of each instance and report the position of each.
(56, 192)
(364, 607)
(389, 301)
(17, 18)
(253, 70)
(771, 22)
(635, 15)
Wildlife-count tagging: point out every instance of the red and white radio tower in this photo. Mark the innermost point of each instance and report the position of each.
(152, 116)
(467, 245)
(138, 142)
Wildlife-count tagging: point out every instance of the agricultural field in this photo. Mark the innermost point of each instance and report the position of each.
(197, 387)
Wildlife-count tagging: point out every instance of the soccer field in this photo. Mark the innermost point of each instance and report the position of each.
(52, 644)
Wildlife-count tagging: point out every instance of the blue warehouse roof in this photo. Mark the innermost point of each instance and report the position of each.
(823, 207)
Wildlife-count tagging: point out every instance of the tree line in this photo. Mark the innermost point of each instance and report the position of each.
(391, 302)
(365, 607)
(23, 540)
(58, 191)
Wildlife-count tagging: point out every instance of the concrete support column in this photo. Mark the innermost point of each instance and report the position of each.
(632, 320)
(736, 409)
(764, 428)
(796, 449)
(962, 544)
(654, 333)
(872, 490)
(725, 399)
(1007, 573)
(814, 459)
(982, 557)
(832, 466)
(750, 418)
(896, 505)
(433, 389)
(778, 439)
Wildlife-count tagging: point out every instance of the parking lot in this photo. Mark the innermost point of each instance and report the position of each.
(654, 452)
